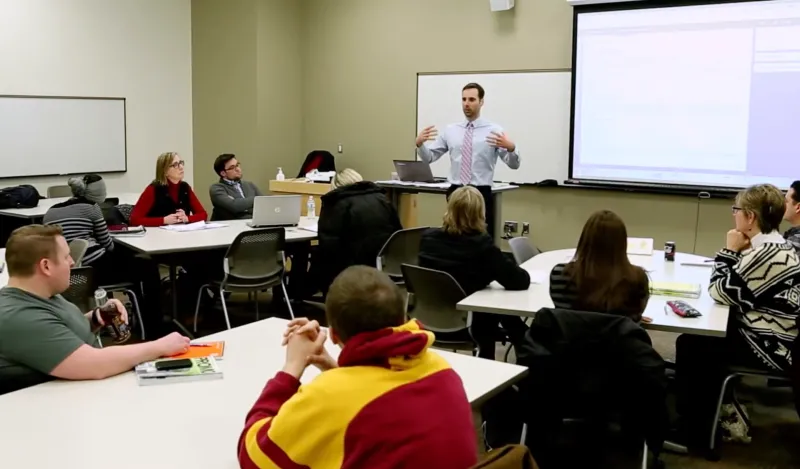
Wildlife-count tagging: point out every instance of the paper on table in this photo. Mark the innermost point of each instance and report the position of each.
(312, 228)
(645, 262)
(197, 226)
(640, 246)
(539, 276)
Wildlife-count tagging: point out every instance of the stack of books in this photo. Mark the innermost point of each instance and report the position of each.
(202, 368)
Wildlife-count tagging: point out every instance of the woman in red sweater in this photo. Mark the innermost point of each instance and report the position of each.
(168, 200)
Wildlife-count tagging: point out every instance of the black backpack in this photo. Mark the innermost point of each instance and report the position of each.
(24, 196)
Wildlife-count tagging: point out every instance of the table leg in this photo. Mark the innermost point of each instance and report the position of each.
(497, 217)
(173, 278)
(477, 418)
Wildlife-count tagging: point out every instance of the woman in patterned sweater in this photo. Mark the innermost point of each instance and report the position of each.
(758, 275)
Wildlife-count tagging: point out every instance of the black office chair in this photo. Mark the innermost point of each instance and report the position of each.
(436, 294)
(254, 262)
(401, 248)
(81, 288)
(587, 373)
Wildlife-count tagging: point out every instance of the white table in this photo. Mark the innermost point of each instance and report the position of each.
(46, 204)
(158, 241)
(116, 423)
(164, 245)
(713, 322)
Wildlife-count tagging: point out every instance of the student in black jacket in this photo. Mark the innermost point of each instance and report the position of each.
(355, 221)
(463, 249)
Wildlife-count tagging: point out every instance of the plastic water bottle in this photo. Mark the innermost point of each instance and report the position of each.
(311, 207)
(280, 176)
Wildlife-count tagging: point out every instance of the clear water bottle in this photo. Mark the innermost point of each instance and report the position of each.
(280, 176)
(311, 207)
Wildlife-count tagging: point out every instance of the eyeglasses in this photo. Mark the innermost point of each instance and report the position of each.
(735, 209)
(236, 166)
(177, 164)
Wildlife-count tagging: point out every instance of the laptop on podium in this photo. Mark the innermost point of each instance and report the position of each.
(413, 171)
(274, 211)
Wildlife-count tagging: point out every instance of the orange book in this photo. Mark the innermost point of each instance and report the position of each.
(203, 349)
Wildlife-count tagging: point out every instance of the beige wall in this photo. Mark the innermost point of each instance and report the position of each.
(274, 79)
(365, 55)
(136, 49)
(247, 84)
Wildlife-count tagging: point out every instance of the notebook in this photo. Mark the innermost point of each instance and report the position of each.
(203, 349)
(124, 230)
(204, 368)
(683, 290)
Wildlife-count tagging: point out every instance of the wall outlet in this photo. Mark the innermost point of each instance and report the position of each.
(510, 227)
(526, 229)
(340, 148)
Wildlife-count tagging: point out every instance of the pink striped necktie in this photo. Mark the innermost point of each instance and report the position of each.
(466, 156)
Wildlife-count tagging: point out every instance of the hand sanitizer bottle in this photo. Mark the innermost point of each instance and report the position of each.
(311, 207)
(280, 176)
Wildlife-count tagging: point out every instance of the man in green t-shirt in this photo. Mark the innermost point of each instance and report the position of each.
(42, 335)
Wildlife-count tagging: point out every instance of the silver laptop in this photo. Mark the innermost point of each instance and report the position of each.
(276, 210)
(413, 171)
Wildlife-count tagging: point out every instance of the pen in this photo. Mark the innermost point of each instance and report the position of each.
(201, 345)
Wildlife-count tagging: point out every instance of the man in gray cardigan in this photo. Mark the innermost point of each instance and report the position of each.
(231, 197)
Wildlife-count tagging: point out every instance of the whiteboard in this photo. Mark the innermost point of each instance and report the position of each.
(532, 107)
(44, 136)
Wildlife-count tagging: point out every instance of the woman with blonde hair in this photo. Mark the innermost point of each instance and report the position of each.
(463, 248)
(355, 221)
(169, 199)
(757, 274)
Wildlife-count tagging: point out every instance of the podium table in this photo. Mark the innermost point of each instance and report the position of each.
(403, 196)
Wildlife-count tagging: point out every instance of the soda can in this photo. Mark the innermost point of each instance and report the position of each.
(669, 251)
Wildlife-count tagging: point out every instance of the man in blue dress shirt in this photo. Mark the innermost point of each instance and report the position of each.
(474, 146)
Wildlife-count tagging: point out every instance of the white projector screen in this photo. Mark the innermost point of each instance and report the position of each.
(43, 136)
(703, 95)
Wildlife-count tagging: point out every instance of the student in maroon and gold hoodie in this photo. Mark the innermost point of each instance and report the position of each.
(390, 402)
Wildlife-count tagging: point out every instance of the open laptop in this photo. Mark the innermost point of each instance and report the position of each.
(272, 211)
(413, 171)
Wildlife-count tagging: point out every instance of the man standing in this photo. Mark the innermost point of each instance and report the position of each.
(792, 215)
(231, 197)
(474, 146)
(42, 335)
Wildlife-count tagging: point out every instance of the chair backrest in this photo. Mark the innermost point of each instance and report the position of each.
(401, 248)
(59, 191)
(77, 249)
(81, 288)
(522, 249)
(436, 294)
(255, 256)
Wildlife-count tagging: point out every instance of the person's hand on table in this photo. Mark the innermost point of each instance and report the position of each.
(500, 140)
(427, 134)
(182, 216)
(737, 241)
(646, 320)
(172, 344)
(173, 219)
(302, 326)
